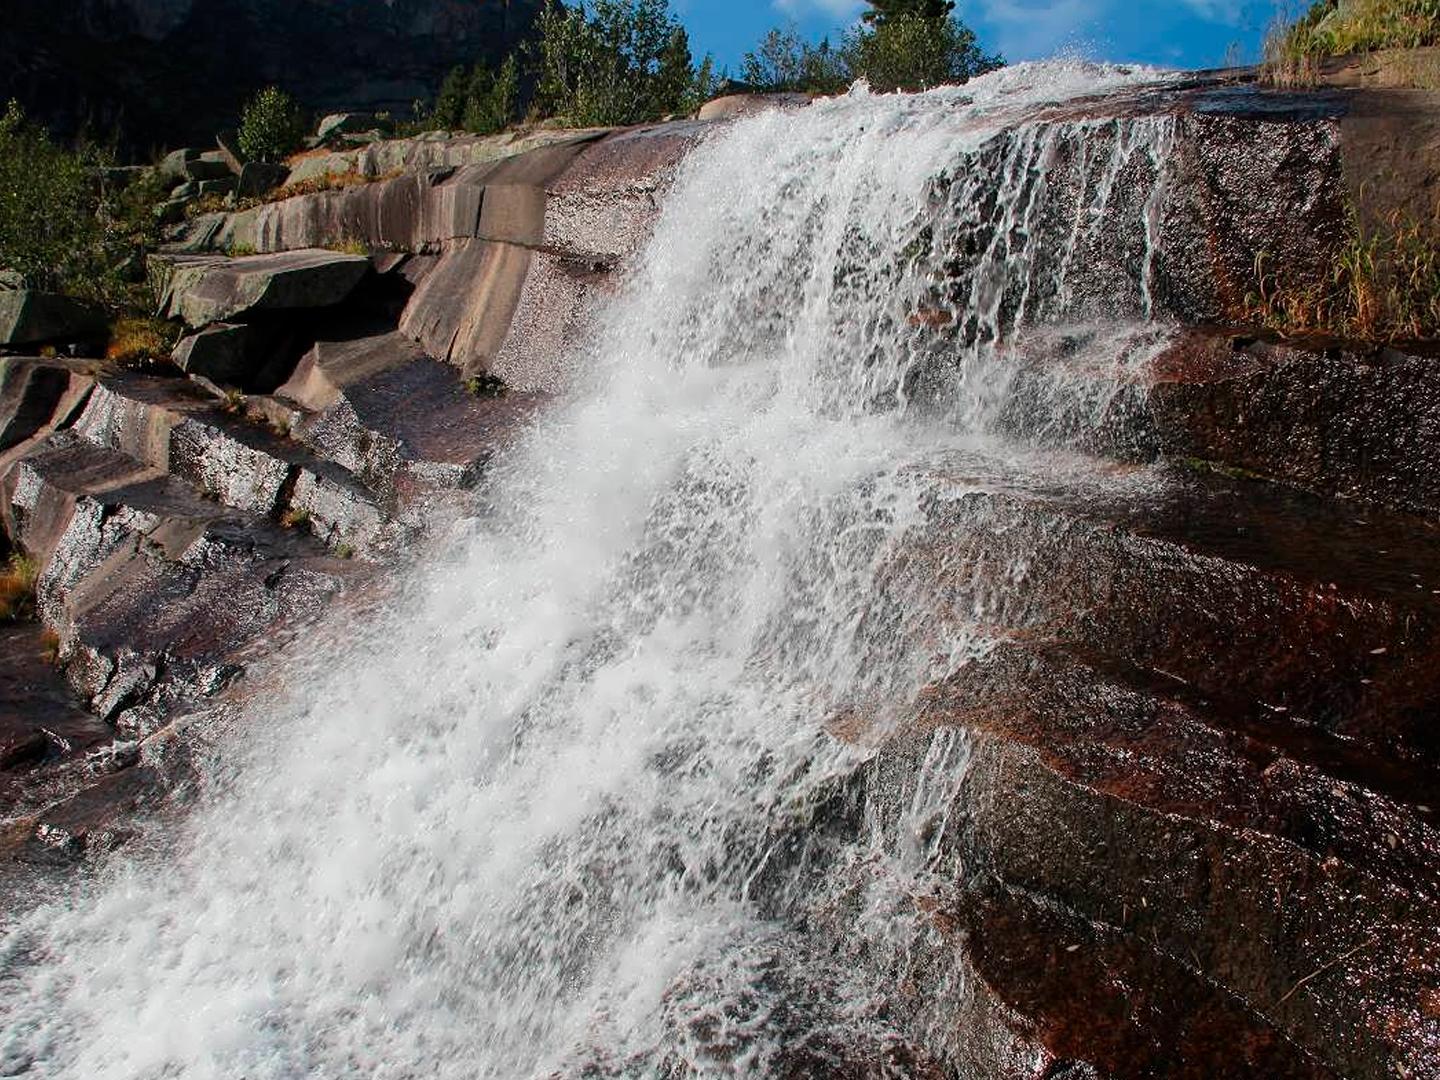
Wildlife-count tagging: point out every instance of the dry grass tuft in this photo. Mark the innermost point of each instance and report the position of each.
(1344, 27)
(335, 181)
(138, 341)
(1384, 287)
(17, 589)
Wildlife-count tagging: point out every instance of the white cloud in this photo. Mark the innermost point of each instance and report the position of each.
(838, 10)
(1035, 29)
(1220, 11)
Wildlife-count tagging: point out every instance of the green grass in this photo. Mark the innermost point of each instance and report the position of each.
(1343, 27)
(1383, 287)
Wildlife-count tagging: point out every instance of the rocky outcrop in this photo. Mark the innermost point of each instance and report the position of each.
(335, 403)
(204, 291)
(1190, 829)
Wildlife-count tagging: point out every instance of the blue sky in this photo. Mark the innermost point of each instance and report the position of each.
(1172, 33)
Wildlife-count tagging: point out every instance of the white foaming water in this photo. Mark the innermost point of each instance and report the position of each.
(573, 803)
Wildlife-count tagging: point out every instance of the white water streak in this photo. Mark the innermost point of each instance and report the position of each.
(570, 802)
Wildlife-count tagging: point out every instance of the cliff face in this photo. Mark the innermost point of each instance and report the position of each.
(121, 65)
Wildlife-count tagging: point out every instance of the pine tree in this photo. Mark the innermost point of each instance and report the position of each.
(882, 11)
(450, 103)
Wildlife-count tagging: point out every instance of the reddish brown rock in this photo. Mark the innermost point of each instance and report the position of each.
(210, 290)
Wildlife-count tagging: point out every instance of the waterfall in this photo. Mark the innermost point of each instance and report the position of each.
(598, 794)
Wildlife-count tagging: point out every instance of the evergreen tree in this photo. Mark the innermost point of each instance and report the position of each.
(610, 62)
(449, 112)
(884, 11)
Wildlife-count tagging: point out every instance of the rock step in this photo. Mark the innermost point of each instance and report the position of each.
(207, 289)
(39, 719)
(1099, 1002)
(175, 428)
(152, 587)
(1240, 590)
(38, 395)
(406, 425)
(1096, 728)
(1158, 821)
(1357, 426)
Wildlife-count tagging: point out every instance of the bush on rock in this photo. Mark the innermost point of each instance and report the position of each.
(272, 126)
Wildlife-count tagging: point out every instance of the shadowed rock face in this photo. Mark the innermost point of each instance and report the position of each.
(125, 63)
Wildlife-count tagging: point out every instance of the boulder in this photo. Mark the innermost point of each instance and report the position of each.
(733, 106)
(28, 317)
(223, 186)
(338, 124)
(173, 166)
(30, 392)
(206, 168)
(218, 353)
(208, 290)
(259, 178)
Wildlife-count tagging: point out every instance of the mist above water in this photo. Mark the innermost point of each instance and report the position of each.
(593, 795)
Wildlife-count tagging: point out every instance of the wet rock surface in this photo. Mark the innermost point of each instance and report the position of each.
(1196, 830)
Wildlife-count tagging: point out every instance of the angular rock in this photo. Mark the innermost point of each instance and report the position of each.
(604, 204)
(191, 437)
(39, 720)
(223, 186)
(172, 211)
(35, 318)
(551, 317)
(220, 353)
(734, 106)
(207, 167)
(228, 144)
(30, 393)
(328, 369)
(259, 178)
(403, 424)
(173, 167)
(462, 311)
(337, 124)
(204, 291)
(143, 573)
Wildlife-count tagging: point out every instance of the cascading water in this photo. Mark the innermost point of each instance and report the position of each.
(593, 795)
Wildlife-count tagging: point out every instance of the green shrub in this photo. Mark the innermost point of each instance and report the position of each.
(64, 226)
(616, 62)
(783, 61)
(904, 45)
(492, 102)
(882, 11)
(909, 51)
(449, 108)
(272, 126)
(47, 204)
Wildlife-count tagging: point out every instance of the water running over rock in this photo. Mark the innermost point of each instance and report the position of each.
(602, 795)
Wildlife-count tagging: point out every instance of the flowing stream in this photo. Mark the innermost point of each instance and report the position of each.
(592, 797)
